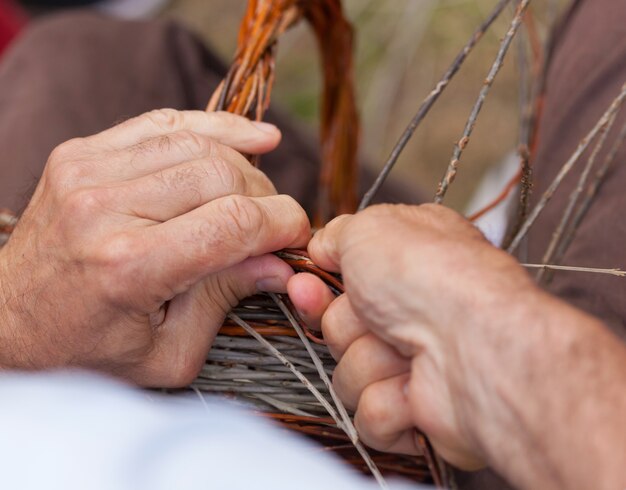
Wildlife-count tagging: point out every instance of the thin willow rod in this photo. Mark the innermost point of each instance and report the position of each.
(214, 387)
(591, 194)
(276, 386)
(535, 110)
(405, 37)
(523, 178)
(582, 147)
(320, 349)
(429, 455)
(224, 343)
(314, 391)
(283, 407)
(549, 267)
(352, 433)
(428, 103)
(250, 359)
(245, 375)
(529, 93)
(201, 396)
(557, 236)
(460, 146)
(318, 364)
(347, 428)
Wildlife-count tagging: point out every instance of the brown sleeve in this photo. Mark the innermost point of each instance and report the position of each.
(78, 73)
(587, 70)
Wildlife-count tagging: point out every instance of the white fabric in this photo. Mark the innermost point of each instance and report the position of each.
(495, 222)
(74, 431)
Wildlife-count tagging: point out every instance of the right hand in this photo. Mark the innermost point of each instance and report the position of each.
(138, 241)
(415, 325)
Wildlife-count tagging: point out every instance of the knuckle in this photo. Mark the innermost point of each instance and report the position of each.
(433, 208)
(186, 370)
(185, 375)
(118, 251)
(68, 149)
(191, 142)
(264, 182)
(64, 168)
(362, 354)
(241, 217)
(332, 330)
(187, 180)
(299, 221)
(228, 177)
(168, 120)
(83, 203)
(227, 120)
(115, 259)
(373, 414)
(379, 210)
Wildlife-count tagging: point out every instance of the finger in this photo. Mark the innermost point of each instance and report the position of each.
(193, 319)
(368, 360)
(341, 327)
(383, 417)
(311, 297)
(434, 412)
(324, 247)
(229, 129)
(218, 235)
(162, 152)
(177, 190)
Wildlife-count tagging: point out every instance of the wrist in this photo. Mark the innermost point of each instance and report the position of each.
(12, 345)
(539, 364)
(494, 350)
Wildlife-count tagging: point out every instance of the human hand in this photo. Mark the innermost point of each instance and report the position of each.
(138, 241)
(423, 288)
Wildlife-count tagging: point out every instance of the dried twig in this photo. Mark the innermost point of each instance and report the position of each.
(469, 127)
(349, 426)
(428, 103)
(582, 147)
(548, 267)
(574, 196)
(591, 194)
(275, 352)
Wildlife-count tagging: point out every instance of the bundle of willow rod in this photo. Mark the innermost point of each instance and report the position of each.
(247, 88)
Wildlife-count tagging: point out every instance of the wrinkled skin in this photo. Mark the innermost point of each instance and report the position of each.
(442, 332)
(138, 241)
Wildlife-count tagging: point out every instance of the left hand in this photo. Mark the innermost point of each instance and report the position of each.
(138, 241)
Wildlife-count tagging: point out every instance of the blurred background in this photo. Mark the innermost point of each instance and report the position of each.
(403, 48)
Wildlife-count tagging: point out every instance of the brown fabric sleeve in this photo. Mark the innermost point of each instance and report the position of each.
(76, 74)
(587, 70)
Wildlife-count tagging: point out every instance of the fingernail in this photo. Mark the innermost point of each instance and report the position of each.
(271, 285)
(265, 127)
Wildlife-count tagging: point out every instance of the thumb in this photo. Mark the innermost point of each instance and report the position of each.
(194, 318)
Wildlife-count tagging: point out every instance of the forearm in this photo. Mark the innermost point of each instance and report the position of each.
(17, 351)
(552, 410)
(7, 322)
